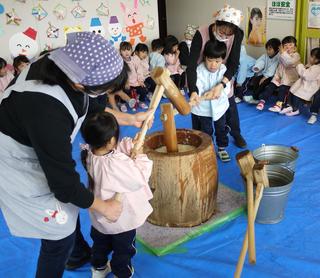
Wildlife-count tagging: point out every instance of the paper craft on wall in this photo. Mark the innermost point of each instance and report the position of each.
(150, 22)
(1, 9)
(78, 11)
(47, 47)
(60, 11)
(145, 2)
(102, 10)
(12, 18)
(71, 29)
(134, 22)
(115, 31)
(52, 32)
(256, 26)
(96, 26)
(21, 1)
(39, 12)
(24, 43)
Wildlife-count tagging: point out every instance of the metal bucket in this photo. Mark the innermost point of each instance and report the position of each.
(274, 198)
(277, 155)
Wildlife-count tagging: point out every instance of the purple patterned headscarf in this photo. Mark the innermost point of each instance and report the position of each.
(88, 59)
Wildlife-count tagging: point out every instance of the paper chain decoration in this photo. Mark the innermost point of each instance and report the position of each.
(60, 11)
(102, 10)
(39, 12)
(52, 32)
(78, 11)
(12, 18)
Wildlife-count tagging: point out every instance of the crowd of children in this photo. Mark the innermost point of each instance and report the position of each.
(280, 75)
(277, 73)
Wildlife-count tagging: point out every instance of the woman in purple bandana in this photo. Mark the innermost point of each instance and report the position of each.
(225, 29)
(40, 115)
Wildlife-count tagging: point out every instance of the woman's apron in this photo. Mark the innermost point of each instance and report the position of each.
(29, 207)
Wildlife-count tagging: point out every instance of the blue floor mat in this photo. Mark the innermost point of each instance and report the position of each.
(287, 249)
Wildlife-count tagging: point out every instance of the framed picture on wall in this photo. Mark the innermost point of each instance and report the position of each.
(314, 14)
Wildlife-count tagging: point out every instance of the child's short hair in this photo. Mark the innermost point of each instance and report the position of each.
(169, 42)
(98, 129)
(289, 39)
(214, 49)
(3, 63)
(316, 53)
(157, 44)
(141, 47)
(125, 46)
(20, 59)
(274, 43)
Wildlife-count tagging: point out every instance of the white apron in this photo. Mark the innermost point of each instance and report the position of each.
(29, 207)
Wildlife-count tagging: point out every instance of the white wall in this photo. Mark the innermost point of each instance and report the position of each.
(23, 10)
(183, 12)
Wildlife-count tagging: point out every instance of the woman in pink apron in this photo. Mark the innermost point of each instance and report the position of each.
(225, 29)
(40, 115)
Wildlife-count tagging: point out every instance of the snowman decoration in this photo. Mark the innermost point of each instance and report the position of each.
(24, 43)
(115, 30)
(96, 26)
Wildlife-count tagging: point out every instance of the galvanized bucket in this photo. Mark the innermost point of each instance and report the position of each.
(277, 154)
(274, 198)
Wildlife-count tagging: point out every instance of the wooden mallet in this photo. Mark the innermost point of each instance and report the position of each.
(246, 162)
(261, 179)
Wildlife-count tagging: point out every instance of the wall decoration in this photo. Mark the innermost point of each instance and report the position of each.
(314, 14)
(39, 12)
(52, 32)
(21, 1)
(280, 9)
(47, 47)
(150, 22)
(256, 26)
(134, 22)
(12, 18)
(71, 29)
(1, 9)
(24, 43)
(115, 31)
(96, 26)
(145, 2)
(60, 11)
(103, 10)
(78, 11)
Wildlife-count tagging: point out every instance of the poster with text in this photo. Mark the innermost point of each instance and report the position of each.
(314, 14)
(256, 26)
(281, 9)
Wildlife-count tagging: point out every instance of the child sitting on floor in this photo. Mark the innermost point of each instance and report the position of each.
(244, 74)
(111, 171)
(139, 70)
(19, 63)
(286, 74)
(5, 75)
(208, 112)
(305, 87)
(264, 68)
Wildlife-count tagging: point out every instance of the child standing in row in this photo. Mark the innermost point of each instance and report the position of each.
(286, 74)
(139, 69)
(111, 170)
(264, 68)
(5, 75)
(305, 87)
(209, 74)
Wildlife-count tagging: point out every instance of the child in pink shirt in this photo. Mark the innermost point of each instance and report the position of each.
(171, 55)
(110, 171)
(5, 75)
(139, 70)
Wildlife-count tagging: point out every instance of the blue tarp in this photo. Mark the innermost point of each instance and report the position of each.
(287, 249)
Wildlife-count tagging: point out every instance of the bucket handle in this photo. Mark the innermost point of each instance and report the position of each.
(295, 148)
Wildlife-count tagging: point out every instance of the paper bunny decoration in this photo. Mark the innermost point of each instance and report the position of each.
(134, 22)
